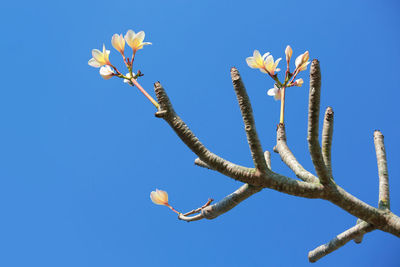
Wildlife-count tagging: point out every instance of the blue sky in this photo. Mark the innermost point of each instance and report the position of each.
(81, 155)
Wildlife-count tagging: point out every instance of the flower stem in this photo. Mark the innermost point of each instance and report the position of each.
(169, 206)
(282, 105)
(145, 93)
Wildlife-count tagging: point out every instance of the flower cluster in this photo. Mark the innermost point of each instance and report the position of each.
(266, 64)
(100, 59)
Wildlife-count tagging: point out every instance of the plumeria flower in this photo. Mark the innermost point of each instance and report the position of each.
(302, 61)
(135, 41)
(159, 197)
(118, 42)
(298, 82)
(106, 72)
(270, 65)
(257, 61)
(275, 92)
(128, 75)
(99, 58)
(288, 53)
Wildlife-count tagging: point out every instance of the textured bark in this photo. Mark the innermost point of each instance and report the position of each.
(255, 179)
(225, 205)
(339, 241)
(384, 197)
(249, 124)
(289, 159)
(327, 133)
(313, 123)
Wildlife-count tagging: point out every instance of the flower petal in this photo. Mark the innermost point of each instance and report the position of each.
(272, 91)
(97, 55)
(298, 60)
(93, 62)
(265, 55)
(250, 61)
(129, 35)
(106, 72)
(140, 36)
(256, 54)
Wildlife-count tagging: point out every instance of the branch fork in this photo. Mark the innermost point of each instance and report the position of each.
(307, 185)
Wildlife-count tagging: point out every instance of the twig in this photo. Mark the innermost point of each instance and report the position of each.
(359, 238)
(339, 241)
(313, 117)
(327, 133)
(384, 196)
(248, 119)
(201, 163)
(226, 204)
(199, 209)
(289, 159)
(217, 163)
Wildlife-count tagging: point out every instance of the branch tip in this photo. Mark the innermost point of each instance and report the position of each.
(327, 134)
(249, 123)
(384, 196)
(339, 241)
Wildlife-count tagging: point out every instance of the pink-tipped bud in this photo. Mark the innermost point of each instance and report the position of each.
(288, 52)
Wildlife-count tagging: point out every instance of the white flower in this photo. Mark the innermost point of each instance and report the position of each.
(302, 61)
(106, 72)
(99, 58)
(257, 61)
(118, 43)
(159, 197)
(275, 92)
(298, 82)
(270, 65)
(135, 40)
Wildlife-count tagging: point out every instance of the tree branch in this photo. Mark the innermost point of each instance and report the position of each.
(263, 177)
(359, 238)
(313, 117)
(246, 175)
(339, 241)
(289, 159)
(327, 133)
(248, 119)
(217, 163)
(384, 197)
(223, 206)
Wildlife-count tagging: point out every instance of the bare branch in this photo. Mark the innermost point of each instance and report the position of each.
(201, 163)
(359, 238)
(230, 201)
(313, 117)
(199, 209)
(339, 241)
(217, 163)
(223, 206)
(251, 176)
(267, 157)
(384, 196)
(327, 133)
(257, 179)
(248, 119)
(289, 159)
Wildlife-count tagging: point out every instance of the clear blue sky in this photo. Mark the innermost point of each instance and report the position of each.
(80, 155)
